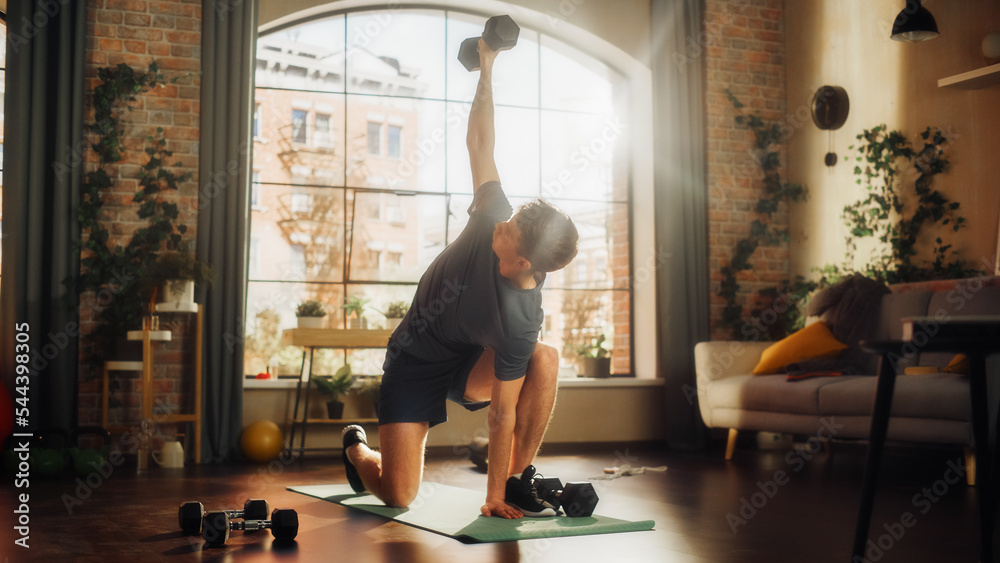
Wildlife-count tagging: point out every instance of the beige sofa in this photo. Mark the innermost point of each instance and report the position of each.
(929, 407)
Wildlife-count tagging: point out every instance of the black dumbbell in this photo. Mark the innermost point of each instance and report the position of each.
(284, 525)
(500, 34)
(578, 498)
(191, 514)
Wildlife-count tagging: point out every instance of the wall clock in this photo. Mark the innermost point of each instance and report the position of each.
(830, 106)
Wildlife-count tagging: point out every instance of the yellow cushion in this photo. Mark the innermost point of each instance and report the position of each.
(814, 341)
(959, 364)
(920, 370)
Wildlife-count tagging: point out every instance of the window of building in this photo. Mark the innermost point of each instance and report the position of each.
(300, 133)
(373, 225)
(256, 121)
(301, 203)
(394, 149)
(255, 203)
(374, 138)
(324, 130)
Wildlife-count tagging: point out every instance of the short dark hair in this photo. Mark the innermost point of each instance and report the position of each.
(548, 236)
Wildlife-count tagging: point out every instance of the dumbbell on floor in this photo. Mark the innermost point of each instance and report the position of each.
(191, 514)
(500, 34)
(577, 498)
(284, 525)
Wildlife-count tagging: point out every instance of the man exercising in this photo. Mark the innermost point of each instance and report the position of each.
(471, 335)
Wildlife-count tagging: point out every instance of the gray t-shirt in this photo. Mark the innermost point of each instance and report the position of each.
(463, 304)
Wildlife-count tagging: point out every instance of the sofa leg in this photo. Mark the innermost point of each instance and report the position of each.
(731, 443)
(970, 466)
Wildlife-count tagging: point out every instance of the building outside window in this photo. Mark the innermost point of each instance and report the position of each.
(366, 216)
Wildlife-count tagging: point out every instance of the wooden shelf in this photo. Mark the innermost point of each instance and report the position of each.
(974, 79)
(339, 421)
(335, 338)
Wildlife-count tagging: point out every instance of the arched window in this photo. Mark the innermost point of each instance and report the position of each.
(361, 175)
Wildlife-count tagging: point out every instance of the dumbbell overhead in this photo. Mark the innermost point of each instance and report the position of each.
(578, 498)
(500, 34)
(284, 525)
(191, 514)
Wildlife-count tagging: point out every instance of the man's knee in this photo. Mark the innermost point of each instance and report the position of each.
(398, 496)
(545, 357)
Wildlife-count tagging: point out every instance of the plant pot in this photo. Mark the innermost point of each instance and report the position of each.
(356, 323)
(178, 292)
(393, 322)
(335, 409)
(595, 367)
(310, 322)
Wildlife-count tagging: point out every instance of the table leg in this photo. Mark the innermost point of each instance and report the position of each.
(295, 411)
(880, 424)
(980, 433)
(305, 414)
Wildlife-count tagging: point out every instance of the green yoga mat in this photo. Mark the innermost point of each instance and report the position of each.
(455, 512)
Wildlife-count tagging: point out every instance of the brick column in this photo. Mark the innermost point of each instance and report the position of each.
(136, 33)
(745, 52)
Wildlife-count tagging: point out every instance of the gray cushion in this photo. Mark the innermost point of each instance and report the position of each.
(966, 299)
(936, 395)
(895, 306)
(768, 393)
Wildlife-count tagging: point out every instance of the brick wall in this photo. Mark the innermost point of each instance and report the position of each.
(137, 32)
(745, 52)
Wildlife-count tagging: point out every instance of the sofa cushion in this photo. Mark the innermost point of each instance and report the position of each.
(938, 395)
(814, 341)
(895, 307)
(768, 393)
(967, 298)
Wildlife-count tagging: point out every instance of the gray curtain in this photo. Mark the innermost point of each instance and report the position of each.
(228, 46)
(43, 107)
(681, 208)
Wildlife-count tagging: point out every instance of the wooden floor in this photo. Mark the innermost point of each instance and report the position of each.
(808, 517)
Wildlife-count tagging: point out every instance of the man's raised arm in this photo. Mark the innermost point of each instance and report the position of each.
(481, 137)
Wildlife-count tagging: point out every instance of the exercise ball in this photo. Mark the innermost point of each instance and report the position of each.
(262, 441)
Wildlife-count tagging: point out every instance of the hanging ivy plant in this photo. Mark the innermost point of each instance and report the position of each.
(116, 273)
(896, 218)
(762, 230)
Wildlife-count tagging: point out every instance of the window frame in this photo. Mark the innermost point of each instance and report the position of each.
(637, 163)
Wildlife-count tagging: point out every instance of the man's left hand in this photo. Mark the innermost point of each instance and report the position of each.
(497, 507)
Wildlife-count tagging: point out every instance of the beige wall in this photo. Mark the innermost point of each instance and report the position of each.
(846, 43)
(623, 23)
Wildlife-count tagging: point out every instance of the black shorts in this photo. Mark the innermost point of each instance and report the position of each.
(415, 390)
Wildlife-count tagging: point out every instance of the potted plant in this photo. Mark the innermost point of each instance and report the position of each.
(310, 314)
(334, 388)
(370, 388)
(177, 273)
(394, 313)
(595, 359)
(355, 308)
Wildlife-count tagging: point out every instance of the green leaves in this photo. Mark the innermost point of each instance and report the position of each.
(897, 215)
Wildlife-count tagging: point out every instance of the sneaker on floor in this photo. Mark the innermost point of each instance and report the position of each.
(521, 494)
(353, 434)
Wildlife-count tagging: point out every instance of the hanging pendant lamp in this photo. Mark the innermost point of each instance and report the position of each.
(914, 23)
